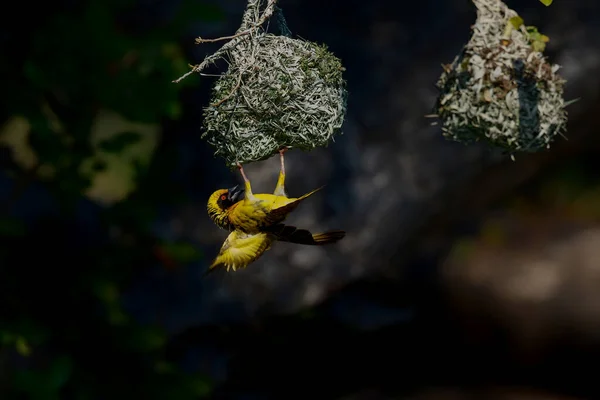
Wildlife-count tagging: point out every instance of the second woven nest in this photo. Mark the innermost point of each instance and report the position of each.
(501, 89)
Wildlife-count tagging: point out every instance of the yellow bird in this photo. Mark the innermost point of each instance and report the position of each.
(241, 249)
(239, 209)
(255, 222)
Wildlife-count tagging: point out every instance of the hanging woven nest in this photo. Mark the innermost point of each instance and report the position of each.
(277, 92)
(501, 89)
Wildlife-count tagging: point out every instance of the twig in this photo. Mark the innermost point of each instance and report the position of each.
(200, 40)
(199, 67)
(251, 21)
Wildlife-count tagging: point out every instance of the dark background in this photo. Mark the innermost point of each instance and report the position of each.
(464, 275)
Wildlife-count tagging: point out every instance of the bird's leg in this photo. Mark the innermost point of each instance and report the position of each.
(280, 187)
(247, 188)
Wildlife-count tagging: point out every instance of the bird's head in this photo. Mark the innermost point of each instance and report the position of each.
(221, 201)
(225, 198)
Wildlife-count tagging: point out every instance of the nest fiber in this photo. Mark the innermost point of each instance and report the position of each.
(278, 91)
(501, 89)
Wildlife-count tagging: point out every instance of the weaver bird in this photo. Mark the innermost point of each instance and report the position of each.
(255, 222)
(241, 249)
(239, 209)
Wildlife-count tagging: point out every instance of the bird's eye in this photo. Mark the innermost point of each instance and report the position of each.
(223, 197)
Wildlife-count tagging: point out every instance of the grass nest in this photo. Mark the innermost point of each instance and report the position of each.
(501, 89)
(278, 91)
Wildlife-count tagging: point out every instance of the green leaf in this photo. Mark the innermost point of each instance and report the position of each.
(546, 2)
(119, 142)
(538, 46)
(537, 39)
(516, 22)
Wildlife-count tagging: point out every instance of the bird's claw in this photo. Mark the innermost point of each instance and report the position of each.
(283, 149)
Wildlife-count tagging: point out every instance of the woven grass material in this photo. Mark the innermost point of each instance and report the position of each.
(501, 89)
(277, 92)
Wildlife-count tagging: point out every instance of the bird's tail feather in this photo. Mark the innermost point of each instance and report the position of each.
(291, 234)
(328, 237)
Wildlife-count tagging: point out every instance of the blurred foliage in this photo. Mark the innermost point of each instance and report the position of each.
(86, 93)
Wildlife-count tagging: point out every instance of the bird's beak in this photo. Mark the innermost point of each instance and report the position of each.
(235, 194)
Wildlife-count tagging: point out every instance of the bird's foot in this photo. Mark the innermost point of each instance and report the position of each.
(239, 165)
(282, 158)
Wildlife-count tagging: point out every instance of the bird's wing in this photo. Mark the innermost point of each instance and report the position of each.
(278, 213)
(240, 249)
